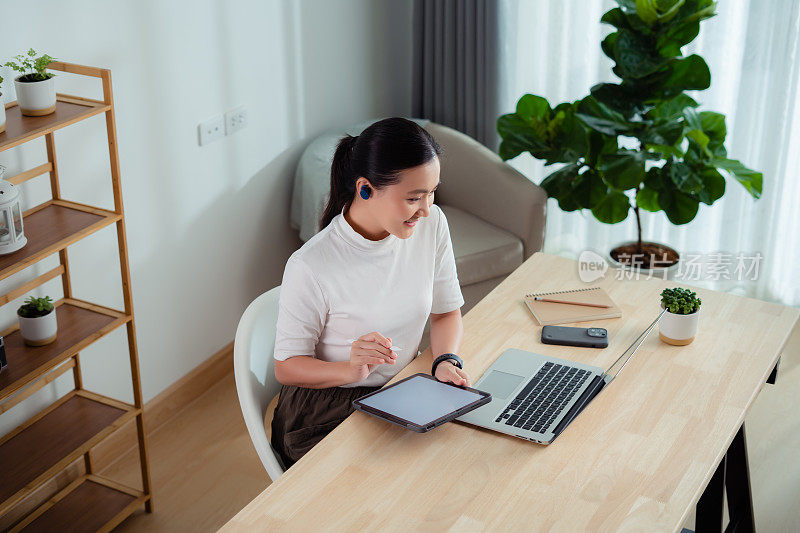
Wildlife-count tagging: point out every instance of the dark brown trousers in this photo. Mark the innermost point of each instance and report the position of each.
(304, 416)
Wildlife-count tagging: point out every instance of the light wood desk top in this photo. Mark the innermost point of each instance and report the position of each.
(636, 459)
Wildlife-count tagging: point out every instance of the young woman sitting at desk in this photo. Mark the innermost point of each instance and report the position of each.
(355, 298)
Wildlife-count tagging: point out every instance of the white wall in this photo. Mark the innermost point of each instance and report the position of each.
(207, 226)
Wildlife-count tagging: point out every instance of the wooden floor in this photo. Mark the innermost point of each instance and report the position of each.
(204, 469)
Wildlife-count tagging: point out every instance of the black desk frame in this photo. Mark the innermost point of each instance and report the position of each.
(731, 479)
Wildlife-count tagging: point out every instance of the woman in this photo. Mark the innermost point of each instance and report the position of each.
(380, 265)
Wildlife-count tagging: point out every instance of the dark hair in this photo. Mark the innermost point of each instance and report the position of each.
(381, 151)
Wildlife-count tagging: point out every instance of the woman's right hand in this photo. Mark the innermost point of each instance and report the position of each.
(369, 351)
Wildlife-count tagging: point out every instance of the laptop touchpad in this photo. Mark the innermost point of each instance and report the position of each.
(500, 384)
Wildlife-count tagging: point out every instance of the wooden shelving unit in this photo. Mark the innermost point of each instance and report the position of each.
(47, 443)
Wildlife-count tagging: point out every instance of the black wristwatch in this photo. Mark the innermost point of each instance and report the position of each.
(456, 360)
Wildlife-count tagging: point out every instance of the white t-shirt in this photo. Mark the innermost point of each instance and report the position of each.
(340, 285)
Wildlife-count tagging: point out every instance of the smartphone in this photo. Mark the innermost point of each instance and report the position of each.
(566, 336)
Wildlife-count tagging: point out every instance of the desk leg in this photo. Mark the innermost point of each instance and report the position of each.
(709, 507)
(737, 485)
(731, 478)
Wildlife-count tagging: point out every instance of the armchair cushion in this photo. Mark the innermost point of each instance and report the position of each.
(482, 251)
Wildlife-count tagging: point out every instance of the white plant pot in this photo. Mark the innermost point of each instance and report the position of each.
(644, 273)
(678, 330)
(40, 330)
(2, 114)
(36, 98)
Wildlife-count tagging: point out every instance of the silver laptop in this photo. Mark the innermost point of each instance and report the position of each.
(535, 397)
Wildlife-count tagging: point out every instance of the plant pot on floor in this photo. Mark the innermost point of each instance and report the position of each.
(36, 98)
(678, 330)
(666, 259)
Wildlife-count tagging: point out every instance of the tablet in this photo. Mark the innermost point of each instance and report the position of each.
(421, 402)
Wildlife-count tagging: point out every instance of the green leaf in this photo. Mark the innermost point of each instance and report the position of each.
(517, 136)
(679, 207)
(600, 117)
(613, 208)
(633, 57)
(623, 170)
(670, 42)
(672, 108)
(690, 73)
(713, 185)
(589, 190)
(681, 175)
(700, 138)
(559, 183)
(750, 179)
(647, 11)
(531, 107)
(668, 133)
(599, 144)
(647, 199)
(615, 18)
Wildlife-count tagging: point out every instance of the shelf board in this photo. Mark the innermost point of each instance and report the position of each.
(90, 503)
(52, 226)
(79, 324)
(50, 441)
(69, 109)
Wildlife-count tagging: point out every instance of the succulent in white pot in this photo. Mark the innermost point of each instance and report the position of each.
(680, 323)
(36, 88)
(37, 321)
(2, 110)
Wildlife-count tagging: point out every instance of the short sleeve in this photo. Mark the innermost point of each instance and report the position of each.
(446, 289)
(301, 312)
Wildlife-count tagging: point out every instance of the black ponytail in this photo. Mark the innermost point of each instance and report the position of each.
(378, 154)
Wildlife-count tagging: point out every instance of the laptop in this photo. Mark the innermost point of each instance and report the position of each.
(535, 397)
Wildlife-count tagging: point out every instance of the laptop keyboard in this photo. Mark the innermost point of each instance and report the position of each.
(544, 397)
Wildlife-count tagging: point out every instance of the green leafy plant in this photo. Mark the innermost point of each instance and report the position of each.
(25, 63)
(35, 307)
(680, 301)
(672, 156)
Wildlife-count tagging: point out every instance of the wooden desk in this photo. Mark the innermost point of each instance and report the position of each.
(638, 458)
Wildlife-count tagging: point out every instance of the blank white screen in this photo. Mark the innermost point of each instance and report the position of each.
(421, 400)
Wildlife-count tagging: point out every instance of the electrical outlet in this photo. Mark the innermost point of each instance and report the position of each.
(211, 130)
(235, 119)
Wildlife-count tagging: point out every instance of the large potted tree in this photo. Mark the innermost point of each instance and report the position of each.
(640, 144)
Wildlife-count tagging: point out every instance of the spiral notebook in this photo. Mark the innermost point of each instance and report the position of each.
(549, 313)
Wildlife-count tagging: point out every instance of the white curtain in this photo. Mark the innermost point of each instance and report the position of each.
(552, 48)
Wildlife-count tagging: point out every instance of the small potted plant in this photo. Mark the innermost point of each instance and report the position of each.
(2, 109)
(37, 321)
(36, 88)
(679, 324)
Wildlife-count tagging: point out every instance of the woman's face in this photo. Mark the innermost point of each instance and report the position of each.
(397, 207)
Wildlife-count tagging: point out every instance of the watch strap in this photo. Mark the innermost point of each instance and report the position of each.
(456, 360)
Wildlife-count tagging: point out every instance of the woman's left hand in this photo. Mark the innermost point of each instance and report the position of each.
(447, 371)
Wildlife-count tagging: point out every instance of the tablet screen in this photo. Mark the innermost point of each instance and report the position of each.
(420, 400)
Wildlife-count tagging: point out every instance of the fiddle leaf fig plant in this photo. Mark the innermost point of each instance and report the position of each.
(642, 143)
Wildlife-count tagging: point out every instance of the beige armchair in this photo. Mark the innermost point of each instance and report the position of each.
(496, 215)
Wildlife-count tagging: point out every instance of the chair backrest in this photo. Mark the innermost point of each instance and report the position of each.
(254, 371)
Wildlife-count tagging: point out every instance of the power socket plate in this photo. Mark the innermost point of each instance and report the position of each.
(211, 130)
(235, 119)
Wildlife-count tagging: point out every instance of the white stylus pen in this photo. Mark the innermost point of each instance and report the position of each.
(393, 348)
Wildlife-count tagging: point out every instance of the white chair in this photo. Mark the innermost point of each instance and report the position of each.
(254, 370)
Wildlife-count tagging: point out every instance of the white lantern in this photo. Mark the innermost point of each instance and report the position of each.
(12, 236)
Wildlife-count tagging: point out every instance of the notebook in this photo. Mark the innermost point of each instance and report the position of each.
(548, 313)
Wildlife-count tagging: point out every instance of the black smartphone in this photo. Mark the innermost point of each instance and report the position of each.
(566, 336)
